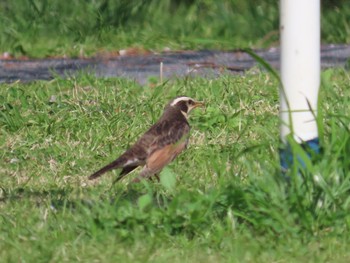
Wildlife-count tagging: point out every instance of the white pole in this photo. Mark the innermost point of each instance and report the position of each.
(300, 67)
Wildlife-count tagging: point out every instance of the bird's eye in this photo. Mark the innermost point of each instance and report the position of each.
(191, 102)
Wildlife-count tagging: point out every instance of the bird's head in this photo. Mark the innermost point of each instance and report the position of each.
(184, 104)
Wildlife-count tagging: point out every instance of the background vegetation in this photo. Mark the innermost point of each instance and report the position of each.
(48, 28)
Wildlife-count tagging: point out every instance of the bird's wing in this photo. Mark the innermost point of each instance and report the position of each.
(169, 133)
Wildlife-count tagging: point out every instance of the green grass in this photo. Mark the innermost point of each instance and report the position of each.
(82, 28)
(222, 200)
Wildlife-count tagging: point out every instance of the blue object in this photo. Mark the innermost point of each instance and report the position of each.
(311, 147)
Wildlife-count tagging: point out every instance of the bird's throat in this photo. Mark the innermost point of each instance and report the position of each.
(184, 114)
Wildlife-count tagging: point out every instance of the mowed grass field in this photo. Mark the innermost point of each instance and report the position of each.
(222, 200)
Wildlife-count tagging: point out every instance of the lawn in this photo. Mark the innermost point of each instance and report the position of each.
(222, 200)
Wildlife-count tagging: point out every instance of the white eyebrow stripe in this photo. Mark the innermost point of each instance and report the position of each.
(179, 99)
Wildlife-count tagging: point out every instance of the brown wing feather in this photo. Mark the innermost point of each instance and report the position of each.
(169, 134)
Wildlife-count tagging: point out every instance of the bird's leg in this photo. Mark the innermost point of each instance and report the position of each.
(149, 177)
(144, 174)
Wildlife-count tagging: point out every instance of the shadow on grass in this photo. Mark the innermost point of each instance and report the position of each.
(21, 193)
(70, 197)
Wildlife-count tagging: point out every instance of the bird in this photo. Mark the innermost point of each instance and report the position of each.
(159, 145)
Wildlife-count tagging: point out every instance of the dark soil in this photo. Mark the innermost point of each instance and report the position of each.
(143, 67)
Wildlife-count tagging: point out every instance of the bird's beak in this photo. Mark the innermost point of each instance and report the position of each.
(199, 104)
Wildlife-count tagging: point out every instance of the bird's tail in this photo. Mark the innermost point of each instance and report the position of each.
(113, 165)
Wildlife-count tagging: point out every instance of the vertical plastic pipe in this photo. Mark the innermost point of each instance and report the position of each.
(300, 70)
